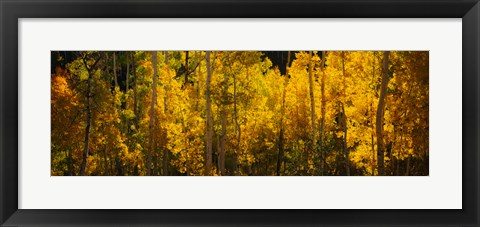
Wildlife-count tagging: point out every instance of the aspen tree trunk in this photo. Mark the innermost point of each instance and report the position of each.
(219, 141)
(373, 156)
(89, 116)
(392, 161)
(312, 110)
(115, 69)
(380, 114)
(209, 116)
(135, 101)
(152, 111)
(165, 151)
(373, 129)
(197, 84)
(186, 69)
(87, 124)
(407, 171)
(398, 156)
(107, 61)
(221, 158)
(322, 110)
(282, 129)
(126, 91)
(140, 101)
(239, 132)
(70, 164)
(165, 108)
(105, 162)
(344, 121)
(126, 76)
(197, 90)
(345, 146)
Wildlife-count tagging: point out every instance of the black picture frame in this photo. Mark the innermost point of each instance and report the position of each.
(12, 10)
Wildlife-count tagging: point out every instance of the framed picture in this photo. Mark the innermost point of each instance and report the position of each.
(239, 113)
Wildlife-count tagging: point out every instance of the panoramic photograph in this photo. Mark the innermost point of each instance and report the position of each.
(240, 113)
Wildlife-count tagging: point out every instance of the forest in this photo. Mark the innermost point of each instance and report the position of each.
(239, 113)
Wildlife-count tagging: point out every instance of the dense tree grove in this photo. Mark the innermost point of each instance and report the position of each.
(235, 113)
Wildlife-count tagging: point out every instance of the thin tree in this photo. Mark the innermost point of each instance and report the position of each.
(186, 69)
(372, 125)
(380, 114)
(115, 69)
(209, 128)
(221, 155)
(152, 111)
(322, 111)
(88, 122)
(135, 98)
(126, 92)
(165, 87)
(312, 110)
(165, 150)
(127, 76)
(237, 123)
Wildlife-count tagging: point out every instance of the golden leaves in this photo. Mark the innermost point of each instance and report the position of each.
(246, 88)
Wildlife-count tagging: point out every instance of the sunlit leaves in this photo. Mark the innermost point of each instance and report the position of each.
(265, 100)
